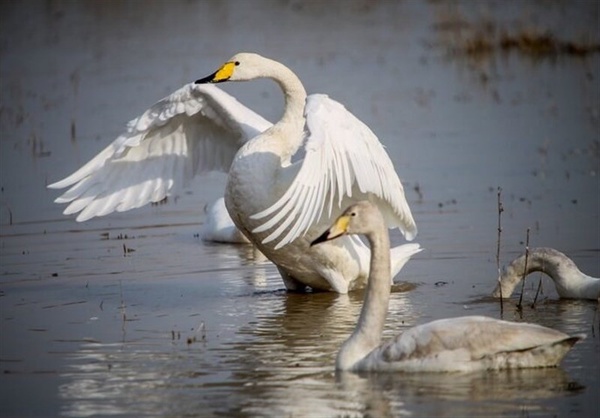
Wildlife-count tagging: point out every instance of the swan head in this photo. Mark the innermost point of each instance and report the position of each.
(241, 67)
(361, 218)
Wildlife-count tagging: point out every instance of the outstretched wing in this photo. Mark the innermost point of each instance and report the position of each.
(196, 129)
(344, 160)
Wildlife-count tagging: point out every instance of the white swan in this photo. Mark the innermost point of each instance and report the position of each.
(279, 205)
(458, 344)
(569, 281)
(218, 226)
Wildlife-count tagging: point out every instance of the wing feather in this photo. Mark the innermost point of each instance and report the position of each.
(478, 336)
(196, 129)
(344, 162)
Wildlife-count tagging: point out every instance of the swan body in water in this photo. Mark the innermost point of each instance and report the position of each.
(569, 281)
(218, 226)
(279, 200)
(462, 344)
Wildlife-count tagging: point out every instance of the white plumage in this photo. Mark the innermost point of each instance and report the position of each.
(218, 226)
(461, 344)
(194, 130)
(278, 205)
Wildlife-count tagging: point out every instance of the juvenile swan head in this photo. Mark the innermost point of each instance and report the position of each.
(361, 218)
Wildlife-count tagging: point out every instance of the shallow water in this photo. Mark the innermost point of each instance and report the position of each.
(133, 315)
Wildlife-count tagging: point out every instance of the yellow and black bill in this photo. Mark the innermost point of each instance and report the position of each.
(339, 228)
(219, 76)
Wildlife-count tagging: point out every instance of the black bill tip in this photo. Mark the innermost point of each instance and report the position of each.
(321, 238)
(208, 79)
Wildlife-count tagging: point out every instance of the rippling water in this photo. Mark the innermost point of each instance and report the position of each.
(133, 315)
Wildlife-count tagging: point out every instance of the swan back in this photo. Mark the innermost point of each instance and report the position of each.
(470, 343)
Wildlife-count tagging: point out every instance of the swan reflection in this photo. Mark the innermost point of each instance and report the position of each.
(485, 393)
(280, 356)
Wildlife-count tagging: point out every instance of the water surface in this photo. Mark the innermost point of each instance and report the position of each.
(132, 314)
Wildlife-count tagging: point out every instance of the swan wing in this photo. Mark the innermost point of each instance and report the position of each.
(196, 129)
(344, 161)
(449, 344)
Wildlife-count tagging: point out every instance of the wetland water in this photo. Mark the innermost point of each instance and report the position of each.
(133, 315)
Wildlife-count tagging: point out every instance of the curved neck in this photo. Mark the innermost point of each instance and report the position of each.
(291, 124)
(568, 279)
(294, 94)
(367, 334)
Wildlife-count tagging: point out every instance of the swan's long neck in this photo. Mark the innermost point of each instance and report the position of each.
(367, 334)
(570, 282)
(291, 125)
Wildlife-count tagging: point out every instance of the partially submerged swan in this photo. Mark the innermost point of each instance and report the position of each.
(463, 344)
(569, 281)
(278, 205)
(218, 226)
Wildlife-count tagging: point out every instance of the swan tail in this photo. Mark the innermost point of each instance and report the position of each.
(401, 254)
(547, 355)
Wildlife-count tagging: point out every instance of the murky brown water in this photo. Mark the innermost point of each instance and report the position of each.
(133, 315)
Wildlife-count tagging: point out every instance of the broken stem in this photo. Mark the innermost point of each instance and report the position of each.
(520, 304)
(537, 292)
(500, 210)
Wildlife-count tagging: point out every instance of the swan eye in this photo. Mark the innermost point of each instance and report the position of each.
(353, 214)
(237, 63)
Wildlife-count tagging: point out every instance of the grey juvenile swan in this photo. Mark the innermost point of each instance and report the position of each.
(569, 281)
(463, 344)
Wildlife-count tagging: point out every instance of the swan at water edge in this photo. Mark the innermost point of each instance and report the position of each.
(569, 281)
(463, 344)
(278, 203)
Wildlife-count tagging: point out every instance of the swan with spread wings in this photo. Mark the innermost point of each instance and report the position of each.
(278, 203)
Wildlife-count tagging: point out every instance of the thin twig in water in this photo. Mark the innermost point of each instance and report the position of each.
(594, 321)
(539, 289)
(500, 210)
(537, 292)
(520, 304)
